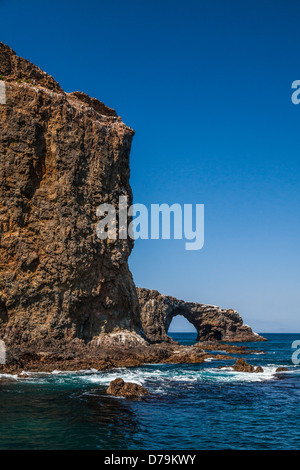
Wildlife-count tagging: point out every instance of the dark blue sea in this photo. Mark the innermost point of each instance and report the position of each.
(191, 406)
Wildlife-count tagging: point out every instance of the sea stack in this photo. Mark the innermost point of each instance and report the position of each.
(61, 155)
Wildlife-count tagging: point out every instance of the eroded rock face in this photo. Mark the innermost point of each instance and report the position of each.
(212, 323)
(61, 155)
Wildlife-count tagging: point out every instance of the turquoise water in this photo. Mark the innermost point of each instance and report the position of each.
(191, 406)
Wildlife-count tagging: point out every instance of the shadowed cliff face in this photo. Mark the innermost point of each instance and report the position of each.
(61, 155)
(212, 323)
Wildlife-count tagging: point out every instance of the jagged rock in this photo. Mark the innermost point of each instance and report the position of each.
(242, 366)
(61, 155)
(119, 388)
(211, 322)
(16, 69)
(281, 369)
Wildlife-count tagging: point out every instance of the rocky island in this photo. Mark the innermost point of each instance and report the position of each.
(67, 298)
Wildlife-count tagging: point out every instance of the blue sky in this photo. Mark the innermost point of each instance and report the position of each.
(207, 87)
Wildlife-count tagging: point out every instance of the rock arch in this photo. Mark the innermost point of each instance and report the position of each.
(179, 319)
(185, 312)
(212, 323)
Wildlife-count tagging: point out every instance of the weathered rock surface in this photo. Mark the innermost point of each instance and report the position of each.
(119, 388)
(212, 323)
(61, 155)
(281, 369)
(74, 355)
(242, 366)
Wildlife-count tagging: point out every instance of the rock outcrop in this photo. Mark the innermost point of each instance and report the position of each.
(281, 369)
(119, 388)
(212, 323)
(242, 366)
(61, 155)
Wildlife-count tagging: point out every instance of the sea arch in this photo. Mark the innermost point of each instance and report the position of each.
(211, 322)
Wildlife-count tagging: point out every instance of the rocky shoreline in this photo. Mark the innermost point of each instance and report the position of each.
(78, 356)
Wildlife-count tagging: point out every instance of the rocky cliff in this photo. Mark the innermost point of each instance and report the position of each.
(61, 155)
(64, 292)
(212, 323)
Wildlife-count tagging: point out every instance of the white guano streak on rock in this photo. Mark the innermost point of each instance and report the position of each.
(2, 93)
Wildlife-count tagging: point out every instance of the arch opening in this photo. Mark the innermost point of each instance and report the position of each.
(182, 331)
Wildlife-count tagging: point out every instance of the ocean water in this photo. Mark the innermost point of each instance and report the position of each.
(192, 406)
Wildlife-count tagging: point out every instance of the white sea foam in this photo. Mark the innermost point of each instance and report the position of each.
(229, 375)
(8, 376)
(166, 375)
(155, 376)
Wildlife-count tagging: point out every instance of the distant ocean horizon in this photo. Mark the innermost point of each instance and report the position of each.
(257, 331)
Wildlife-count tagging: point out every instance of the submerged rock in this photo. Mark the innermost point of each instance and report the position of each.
(119, 388)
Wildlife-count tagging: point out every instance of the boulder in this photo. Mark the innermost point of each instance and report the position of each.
(242, 366)
(281, 369)
(119, 388)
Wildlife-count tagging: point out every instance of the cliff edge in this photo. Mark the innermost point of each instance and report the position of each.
(61, 155)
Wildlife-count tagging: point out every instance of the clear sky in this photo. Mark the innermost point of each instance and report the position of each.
(207, 87)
